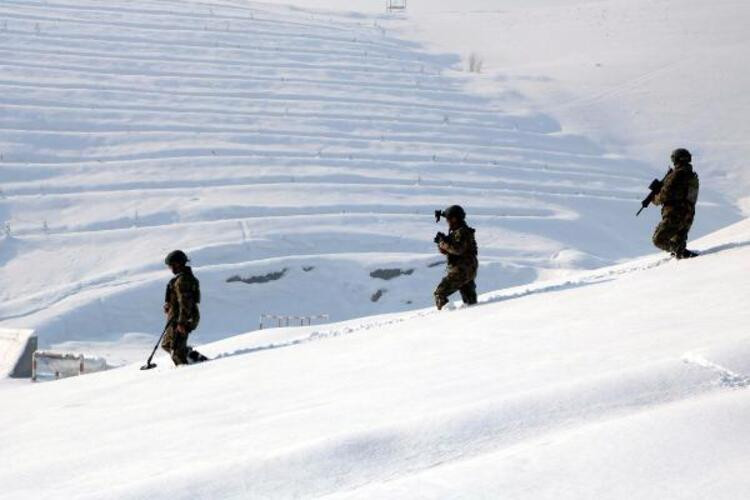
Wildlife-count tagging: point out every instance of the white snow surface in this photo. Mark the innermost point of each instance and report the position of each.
(640, 76)
(12, 345)
(625, 382)
(307, 147)
(266, 139)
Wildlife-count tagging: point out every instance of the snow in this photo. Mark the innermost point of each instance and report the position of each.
(260, 138)
(297, 153)
(639, 76)
(623, 382)
(12, 346)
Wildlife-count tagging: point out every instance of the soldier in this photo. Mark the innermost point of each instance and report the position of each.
(460, 247)
(677, 197)
(181, 307)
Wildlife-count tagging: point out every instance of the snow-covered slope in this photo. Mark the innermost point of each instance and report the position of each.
(640, 76)
(626, 382)
(270, 141)
(15, 352)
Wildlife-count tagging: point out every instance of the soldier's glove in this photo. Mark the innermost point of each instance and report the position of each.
(656, 185)
(439, 238)
(180, 328)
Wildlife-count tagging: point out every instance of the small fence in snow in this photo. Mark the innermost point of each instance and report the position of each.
(56, 365)
(282, 320)
(391, 5)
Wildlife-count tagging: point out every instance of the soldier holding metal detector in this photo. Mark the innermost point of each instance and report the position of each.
(677, 194)
(181, 308)
(460, 248)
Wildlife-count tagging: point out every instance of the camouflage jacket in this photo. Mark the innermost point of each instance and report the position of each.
(680, 189)
(182, 298)
(461, 248)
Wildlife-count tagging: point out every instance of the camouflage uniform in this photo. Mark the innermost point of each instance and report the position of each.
(460, 246)
(181, 306)
(678, 197)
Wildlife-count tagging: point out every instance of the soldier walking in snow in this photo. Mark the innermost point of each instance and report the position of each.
(181, 307)
(677, 196)
(460, 247)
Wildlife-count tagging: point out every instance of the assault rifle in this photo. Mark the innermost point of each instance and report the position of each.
(655, 188)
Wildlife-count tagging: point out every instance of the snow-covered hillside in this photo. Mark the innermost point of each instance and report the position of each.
(272, 142)
(626, 382)
(640, 76)
(636, 75)
(297, 154)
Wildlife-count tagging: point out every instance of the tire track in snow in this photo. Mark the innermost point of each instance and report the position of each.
(146, 72)
(249, 29)
(277, 49)
(98, 8)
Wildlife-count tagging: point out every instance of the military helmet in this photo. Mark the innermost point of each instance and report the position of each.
(454, 211)
(681, 155)
(176, 257)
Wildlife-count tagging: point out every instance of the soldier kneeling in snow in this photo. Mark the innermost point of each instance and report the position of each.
(460, 247)
(181, 307)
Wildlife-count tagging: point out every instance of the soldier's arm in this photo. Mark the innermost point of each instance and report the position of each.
(457, 244)
(673, 186)
(663, 194)
(167, 294)
(185, 298)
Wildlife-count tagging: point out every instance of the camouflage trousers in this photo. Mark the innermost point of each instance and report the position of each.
(457, 280)
(672, 232)
(176, 345)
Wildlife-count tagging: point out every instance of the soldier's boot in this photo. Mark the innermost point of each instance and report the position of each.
(180, 349)
(194, 356)
(680, 241)
(685, 254)
(440, 302)
(469, 293)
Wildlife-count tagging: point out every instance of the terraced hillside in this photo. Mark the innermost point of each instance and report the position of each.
(291, 153)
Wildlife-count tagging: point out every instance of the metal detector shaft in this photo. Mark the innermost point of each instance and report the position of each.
(149, 364)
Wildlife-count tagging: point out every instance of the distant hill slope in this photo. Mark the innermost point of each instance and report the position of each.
(263, 140)
(640, 76)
